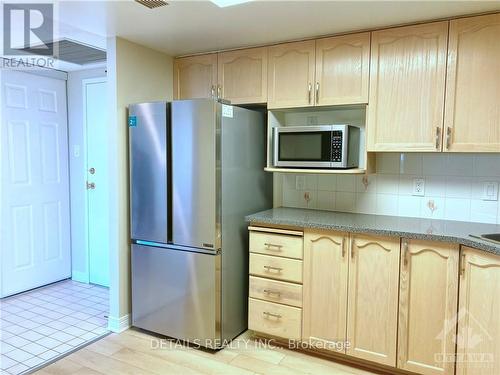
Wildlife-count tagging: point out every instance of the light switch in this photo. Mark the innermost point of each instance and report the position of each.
(490, 191)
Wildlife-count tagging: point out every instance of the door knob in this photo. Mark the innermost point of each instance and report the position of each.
(92, 170)
(90, 185)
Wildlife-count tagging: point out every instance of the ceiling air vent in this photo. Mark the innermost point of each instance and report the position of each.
(151, 4)
(78, 53)
(74, 52)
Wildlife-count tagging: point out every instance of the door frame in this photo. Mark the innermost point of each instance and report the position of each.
(85, 276)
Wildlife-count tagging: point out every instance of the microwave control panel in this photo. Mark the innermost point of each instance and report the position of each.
(337, 146)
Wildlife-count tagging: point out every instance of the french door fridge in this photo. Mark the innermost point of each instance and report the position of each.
(195, 172)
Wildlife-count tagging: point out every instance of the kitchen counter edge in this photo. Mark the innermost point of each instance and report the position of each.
(346, 222)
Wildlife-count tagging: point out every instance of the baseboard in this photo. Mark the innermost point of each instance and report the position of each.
(120, 324)
(81, 277)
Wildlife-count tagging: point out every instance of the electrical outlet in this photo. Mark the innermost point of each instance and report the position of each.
(419, 187)
(490, 191)
(300, 182)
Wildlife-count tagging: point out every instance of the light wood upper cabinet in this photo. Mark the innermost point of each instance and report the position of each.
(472, 117)
(195, 76)
(427, 307)
(243, 75)
(372, 313)
(407, 86)
(342, 69)
(325, 289)
(291, 75)
(479, 314)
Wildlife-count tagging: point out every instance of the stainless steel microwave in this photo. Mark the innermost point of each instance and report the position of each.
(324, 146)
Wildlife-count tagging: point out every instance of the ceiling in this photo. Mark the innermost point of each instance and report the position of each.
(186, 27)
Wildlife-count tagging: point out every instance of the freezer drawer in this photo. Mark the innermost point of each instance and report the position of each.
(177, 294)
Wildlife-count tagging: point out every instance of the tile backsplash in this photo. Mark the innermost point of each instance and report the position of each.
(453, 188)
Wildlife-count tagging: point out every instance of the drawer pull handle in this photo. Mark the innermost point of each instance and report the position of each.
(270, 246)
(269, 268)
(268, 291)
(268, 314)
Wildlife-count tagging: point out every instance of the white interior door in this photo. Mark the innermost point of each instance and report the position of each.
(35, 189)
(97, 187)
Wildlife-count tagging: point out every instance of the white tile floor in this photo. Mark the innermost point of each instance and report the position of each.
(42, 324)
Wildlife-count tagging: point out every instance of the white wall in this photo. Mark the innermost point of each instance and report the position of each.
(453, 182)
(135, 74)
(78, 175)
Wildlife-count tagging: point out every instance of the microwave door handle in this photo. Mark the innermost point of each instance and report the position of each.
(345, 146)
(275, 143)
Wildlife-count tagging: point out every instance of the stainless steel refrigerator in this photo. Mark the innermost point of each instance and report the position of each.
(196, 169)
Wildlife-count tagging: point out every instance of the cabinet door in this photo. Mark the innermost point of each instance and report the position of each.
(291, 75)
(472, 117)
(342, 69)
(195, 76)
(372, 313)
(243, 75)
(427, 307)
(407, 79)
(325, 290)
(478, 344)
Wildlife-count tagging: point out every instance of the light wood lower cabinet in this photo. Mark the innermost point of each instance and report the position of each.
(383, 299)
(325, 289)
(427, 307)
(276, 268)
(281, 245)
(275, 291)
(372, 311)
(274, 319)
(478, 344)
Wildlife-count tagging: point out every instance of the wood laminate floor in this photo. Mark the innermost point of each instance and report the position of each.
(135, 352)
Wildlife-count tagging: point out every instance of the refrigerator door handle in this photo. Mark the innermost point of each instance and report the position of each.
(177, 247)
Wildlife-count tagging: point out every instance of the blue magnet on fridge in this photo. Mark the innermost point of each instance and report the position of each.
(132, 121)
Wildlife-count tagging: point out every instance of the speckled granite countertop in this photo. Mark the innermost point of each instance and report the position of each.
(425, 229)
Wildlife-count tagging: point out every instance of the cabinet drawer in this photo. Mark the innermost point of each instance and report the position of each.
(276, 291)
(276, 267)
(274, 319)
(276, 244)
